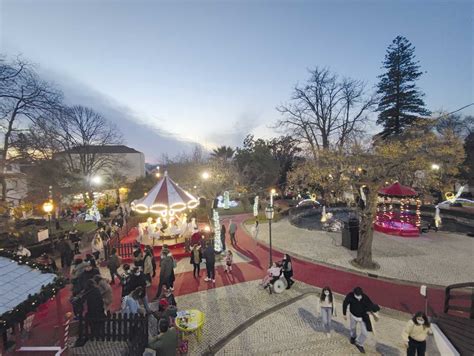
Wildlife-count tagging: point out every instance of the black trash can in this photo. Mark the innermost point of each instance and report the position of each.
(350, 234)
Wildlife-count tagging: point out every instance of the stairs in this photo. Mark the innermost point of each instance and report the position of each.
(459, 331)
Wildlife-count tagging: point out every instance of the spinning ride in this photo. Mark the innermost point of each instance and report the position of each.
(395, 213)
(167, 200)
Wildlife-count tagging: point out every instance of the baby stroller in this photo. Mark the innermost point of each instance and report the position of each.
(274, 281)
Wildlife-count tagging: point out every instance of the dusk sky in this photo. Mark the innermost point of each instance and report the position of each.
(211, 72)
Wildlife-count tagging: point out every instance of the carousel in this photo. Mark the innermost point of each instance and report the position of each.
(169, 204)
(398, 211)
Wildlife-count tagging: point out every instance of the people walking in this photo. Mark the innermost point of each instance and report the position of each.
(232, 231)
(360, 306)
(97, 246)
(105, 291)
(148, 264)
(210, 257)
(229, 258)
(287, 270)
(66, 251)
(139, 280)
(95, 307)
(195, 260)
(130, 304)
(327, 309)
(415, 334)
(138, 256)
(113, 265)
(166, 270)
(223, 232)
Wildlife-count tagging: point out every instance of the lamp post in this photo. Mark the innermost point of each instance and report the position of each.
(269, 215)
(48, 208)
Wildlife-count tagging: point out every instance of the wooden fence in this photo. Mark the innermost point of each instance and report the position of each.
(132, 329)
(463, 294)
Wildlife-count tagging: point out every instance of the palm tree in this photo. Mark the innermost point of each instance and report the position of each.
(223, 153)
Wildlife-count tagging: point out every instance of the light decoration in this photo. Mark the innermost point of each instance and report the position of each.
(166, 199)
(226, 200)
(450, 199)
(255, 206)
(418, 213)
(324, 217)
(217, 231)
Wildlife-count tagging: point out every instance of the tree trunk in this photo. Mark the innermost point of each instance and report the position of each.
(366, 231)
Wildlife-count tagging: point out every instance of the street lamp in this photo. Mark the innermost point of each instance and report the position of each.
(269, 214)
(435, 167)
(96, 180)
(205, 175)
(48, 209)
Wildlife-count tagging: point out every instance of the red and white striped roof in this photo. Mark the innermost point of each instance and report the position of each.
(166, 195)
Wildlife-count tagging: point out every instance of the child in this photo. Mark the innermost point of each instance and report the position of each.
(168, 295)
(228, 261)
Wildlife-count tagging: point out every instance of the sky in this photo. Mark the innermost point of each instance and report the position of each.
(174, 73)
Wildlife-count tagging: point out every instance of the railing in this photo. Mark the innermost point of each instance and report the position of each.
(132, 329)
(460, 294)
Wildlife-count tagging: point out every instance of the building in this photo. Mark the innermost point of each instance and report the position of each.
(17, 186)
(105, 161)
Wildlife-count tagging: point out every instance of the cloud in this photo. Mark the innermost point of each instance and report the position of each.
(152, 141)
(246, 123)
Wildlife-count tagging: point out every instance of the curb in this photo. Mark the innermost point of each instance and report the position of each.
(342, 268)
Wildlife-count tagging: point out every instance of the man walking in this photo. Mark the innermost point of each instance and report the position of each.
(232, 230)
(360, 306)
(113, 265)
(210, 257)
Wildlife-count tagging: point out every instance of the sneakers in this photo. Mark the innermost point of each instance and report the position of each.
(360, 348)
(353, 340)
(207, 279)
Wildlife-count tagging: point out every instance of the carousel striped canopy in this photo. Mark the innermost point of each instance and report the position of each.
(165, 198)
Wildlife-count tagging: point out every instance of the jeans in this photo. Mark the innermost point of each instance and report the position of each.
(211, 272)
(196, 269)
(232, 238)
(416, 347)
(326, 315)
(363, 331)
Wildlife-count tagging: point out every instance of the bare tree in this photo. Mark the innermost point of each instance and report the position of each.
(24, 98)
(79, 130)
(326, 111)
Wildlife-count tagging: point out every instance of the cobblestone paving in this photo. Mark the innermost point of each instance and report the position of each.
(435, 258)
(295, 328)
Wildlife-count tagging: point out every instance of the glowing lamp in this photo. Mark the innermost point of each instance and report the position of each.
(48, 207)
(97, 180)
(205, 175)
(435, 167)
(207, 228)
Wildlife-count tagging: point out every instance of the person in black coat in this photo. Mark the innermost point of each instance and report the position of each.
(138, 279)
(89, 273)
(223, 231)
(95, 308)
(360, 306)
(210, 257)
(287, 270)
(196, 259)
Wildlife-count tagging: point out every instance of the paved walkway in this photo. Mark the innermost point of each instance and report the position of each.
(435, 258)
(294, 329)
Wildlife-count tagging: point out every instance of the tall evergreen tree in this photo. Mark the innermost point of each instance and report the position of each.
(401, 101)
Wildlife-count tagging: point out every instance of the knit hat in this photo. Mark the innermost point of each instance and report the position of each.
(164, 303)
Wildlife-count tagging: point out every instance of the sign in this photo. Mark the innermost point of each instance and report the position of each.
(43, 235)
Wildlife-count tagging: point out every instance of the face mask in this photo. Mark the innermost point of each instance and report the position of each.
(358, 297)
(420, 321)
(326, 292)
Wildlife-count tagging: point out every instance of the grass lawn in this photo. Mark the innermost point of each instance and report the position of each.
(85, 226)
(239, 209)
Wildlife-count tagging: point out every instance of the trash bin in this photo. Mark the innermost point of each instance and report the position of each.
(350, 234)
